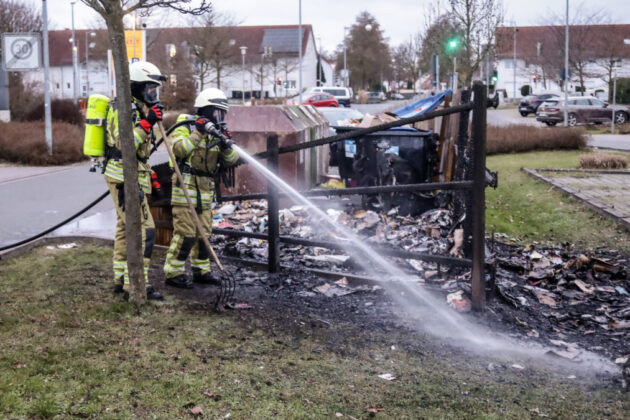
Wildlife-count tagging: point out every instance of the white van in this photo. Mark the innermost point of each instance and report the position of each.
(342, 94)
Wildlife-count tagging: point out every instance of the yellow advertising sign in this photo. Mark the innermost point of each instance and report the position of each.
(135, 45)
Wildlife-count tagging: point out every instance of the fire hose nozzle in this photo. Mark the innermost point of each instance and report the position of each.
(212, 129)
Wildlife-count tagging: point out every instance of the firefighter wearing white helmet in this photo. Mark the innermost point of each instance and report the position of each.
(146, 80)
(200, 149)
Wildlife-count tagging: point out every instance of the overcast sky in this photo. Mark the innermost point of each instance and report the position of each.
(398, 18)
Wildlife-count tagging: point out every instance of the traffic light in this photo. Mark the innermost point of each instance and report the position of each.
(279, 81)
(452, 45)
(495, 76)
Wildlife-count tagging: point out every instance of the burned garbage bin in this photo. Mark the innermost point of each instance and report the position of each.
(396, 156)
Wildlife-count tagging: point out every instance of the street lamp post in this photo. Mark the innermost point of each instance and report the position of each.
(514, 67)
(345, 66)
(74, 57)
(566, 68)
(614, 101)
(87, 62)
(47, 110)
(267, 52)
(300, 50)
(243, 52)
(319, 61)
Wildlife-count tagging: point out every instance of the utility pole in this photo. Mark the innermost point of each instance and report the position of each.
(47, 113)
(454, 85)
(345, 66)
(300, 50)
(614, 101)
(75, 93)
(566, 68)
(514, 67)
(87, 62)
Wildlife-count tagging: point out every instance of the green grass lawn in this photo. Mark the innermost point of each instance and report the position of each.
(69, 348)
(530, 210)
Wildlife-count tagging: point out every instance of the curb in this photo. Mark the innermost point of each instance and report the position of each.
(55, 240)
(594, 204)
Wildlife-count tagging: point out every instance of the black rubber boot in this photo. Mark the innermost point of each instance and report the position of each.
(118, 288)
(181, 281)
(152, 294)
(206, 278)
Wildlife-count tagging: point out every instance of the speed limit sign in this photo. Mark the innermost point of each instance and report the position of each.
(21, 51)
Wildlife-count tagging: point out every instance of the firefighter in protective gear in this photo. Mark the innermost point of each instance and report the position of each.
(146, 80)
(198, 161)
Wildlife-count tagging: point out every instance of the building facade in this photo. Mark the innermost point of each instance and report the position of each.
(534, 56)
(241, 60)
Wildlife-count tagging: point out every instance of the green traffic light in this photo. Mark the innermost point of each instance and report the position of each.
(453, 43)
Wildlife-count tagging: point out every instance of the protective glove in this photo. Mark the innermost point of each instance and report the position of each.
(153, 116)
(200, 124)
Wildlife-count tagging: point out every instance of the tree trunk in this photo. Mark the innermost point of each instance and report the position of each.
(133, 226)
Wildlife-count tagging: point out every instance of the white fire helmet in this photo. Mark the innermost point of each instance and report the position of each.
(212, 97)
(143, 71)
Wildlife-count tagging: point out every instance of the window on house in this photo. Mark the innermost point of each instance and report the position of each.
(508, 64)
(292, 84)
(171, 50)
(57, 85)
(68, 85)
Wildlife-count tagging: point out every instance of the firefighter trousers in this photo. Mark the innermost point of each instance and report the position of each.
(120, 243)
(187, 241)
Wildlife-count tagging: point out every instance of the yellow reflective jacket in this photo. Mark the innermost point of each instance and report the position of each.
(114, 169)
(198, 163)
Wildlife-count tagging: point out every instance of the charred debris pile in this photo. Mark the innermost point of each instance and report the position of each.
(563, 298)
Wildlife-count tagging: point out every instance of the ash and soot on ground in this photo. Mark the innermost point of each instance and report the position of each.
(425, 311)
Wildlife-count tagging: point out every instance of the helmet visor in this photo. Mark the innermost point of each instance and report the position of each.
(216, 115)
(151, 93)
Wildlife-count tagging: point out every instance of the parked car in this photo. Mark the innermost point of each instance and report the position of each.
(342, 94)
(530, 104)
(375, 97)
(321, 99)
(581, 110)
(397, 96)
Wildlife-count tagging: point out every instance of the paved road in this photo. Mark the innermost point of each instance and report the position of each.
(40, 197)
(610, 141)
(503, 117)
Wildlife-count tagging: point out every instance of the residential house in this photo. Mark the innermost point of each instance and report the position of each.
(534, 56)
(213, 57)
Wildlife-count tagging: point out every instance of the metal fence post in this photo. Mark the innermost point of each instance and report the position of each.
(463, 172)
(478, 196)
(272, 207)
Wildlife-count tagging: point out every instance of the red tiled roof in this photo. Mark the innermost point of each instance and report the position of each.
(529, 37)
(60, 47)
(246, 36)
(251, 37)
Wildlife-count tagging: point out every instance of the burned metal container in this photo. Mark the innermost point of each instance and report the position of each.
(250, 128)
(396, 156)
